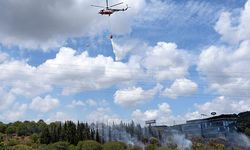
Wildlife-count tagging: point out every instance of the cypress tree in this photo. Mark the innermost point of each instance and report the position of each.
(45, 136)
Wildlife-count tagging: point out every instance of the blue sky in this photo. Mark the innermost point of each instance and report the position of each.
(169, 60)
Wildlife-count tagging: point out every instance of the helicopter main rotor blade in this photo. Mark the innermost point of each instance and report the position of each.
(107, 3)
(116, 4)
(97, 6)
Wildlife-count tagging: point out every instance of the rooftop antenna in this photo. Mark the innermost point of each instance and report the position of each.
(203, 115)
(213, 113)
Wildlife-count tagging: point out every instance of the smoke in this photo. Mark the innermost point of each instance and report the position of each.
(181, 142)
(176, 139)
(121, 133)
(239, 139)
(132, 134)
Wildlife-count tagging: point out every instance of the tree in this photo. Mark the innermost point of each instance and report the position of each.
(110, 133)
(11, 130)
(70, 132)
(2, 128)
(35, 138)
(97, 138)
(45, 136)
(54, 129)
(1, 137)
(41, 125)
(247, 131)
(22, 130)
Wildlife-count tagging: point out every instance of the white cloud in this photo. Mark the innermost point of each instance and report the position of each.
(77, 73)
(234, 33)
(16, 112)
(87, 103)
(74, 73)
(44, 104)
(49, 23)
(104, 115)
(3, 57)
(166, 62)
(227, 71)
(193, 115)
(22, 79)
(163, 114)
(180, 87)
(226, 68)
(220, 105)
(80, 72)
(76, 103)
(135, 95)
(60, 116)
(224, 105)
(92, 102)
(6, 99)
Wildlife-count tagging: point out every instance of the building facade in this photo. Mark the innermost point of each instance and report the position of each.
(214, 127)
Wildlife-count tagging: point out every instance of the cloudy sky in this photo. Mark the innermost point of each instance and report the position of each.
(169, 60)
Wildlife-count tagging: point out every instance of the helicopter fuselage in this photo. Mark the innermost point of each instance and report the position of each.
(109, 11)
(106, 12)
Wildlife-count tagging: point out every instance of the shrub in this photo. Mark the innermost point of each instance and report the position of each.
(12, 142)
(60, 146)
(154, 141)
(166, 148)
(21, 147)
(44, 147)
(89, 145)
(2, 146)
(114, 146)
(151, 147)
(236, 148)
(72, 147)
(135, 147)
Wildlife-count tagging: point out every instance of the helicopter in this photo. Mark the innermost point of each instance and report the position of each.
(108, 10)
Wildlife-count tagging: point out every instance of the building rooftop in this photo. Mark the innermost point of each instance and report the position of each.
(231, 117)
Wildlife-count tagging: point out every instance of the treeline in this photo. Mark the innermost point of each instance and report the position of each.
(51, 133)
(243, 123)
(128, 132)
(70, 135)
